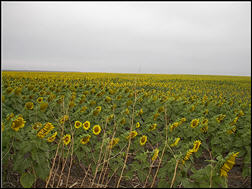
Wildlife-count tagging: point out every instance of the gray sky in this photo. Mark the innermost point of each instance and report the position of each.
(128, 37)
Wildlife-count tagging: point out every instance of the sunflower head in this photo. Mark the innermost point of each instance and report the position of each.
(40, 99)
(113, 142)
(196, 145)
(29, 105)
(143, 140)
(52, 138)
(175, 143)
(36, 125)
(86, 125)
(132, 135)
(18, 123)
(43, 106)
(155, 154)
(96, 129)
(67, 139)
(153, 127)
(194, 123)
(137, 125)
(77, 124)
(85, 139)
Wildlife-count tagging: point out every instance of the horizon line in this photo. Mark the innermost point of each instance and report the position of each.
(121, 72)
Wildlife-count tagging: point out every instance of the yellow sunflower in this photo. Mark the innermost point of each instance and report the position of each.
(85, 139)
(40, 99)
(52, 138)
(133, 134)
(36, 125)
(29, 105)
(175, 143)
(64, 119)
(45, 130)
(77, 124)
(153, 127)
(86, 125)
(137, 125)
(18, 123)
(194, 123)
(155, 155)
(113, 142)
(196, 145)
(96, 129)
(67, 139)
(9, 116)
(228, 165)
(43, 106)
(143, 140)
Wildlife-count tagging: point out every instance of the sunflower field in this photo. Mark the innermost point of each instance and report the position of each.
(65, 129)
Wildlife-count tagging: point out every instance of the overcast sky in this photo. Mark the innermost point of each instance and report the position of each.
(128, 37)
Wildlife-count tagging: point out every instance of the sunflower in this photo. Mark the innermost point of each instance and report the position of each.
(29, 105)
(86, 125)
(67, 139)
(36, 125)
(110, 117)
(96, 129)
(228, 165)
(161, 109)
(97, 110)
(183, 120)
(71, 104)
(83, 109)
(108, 99)
(141, 111)
(234, 121)
(64, 119)
(196, 145)
(9, 90)
(137, 125)
(9, 116)
(52, 138)
(187, 156)
(85, 139)
(241, 113)
(18, 123)
(43, 106)
(143, 140)
(232, 130)
(155, 116)
(123, 121)
(45, 130)
(77, 124)
(175, 143)
(113, 142)
(220, 118)
(40, 99)
(153, 127)
(18, 91)
(155, 155)
(126, 111)
(174, 125)
(133, 134)
(194, 123)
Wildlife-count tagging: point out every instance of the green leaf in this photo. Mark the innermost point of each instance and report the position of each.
(42, 172)
(27, 180)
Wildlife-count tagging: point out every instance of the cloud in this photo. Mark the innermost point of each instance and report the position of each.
(162, 37)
